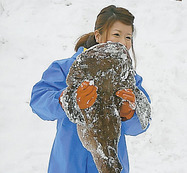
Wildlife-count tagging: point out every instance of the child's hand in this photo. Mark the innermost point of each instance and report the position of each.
(86, 95)
(128, 106)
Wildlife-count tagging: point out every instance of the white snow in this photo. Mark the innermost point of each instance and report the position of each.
(35, 33)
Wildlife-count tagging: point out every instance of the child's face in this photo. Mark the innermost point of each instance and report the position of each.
(119, 32)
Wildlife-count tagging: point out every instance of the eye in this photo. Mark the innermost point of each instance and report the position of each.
(128, 38)
(116, 34)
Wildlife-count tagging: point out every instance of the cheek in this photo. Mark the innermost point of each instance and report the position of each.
(129, 45)
(112, 39)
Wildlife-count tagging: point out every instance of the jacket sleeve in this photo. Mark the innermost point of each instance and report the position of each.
(133, 126)
(45, 94)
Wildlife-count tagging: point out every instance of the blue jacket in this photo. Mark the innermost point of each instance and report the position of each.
(68, 155)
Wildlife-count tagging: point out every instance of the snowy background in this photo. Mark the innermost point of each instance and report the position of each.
(34, 33)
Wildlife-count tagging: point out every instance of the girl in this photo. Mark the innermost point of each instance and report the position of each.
(68, 155)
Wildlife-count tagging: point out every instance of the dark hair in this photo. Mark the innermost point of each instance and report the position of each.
(104, 21)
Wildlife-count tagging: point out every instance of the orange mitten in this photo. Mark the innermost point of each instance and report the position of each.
(60, 99)
(128, 106)
(86, 95)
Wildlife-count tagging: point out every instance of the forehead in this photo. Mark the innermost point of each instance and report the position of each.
(121, 27)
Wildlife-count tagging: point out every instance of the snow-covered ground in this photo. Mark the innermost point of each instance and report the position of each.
(33, 33)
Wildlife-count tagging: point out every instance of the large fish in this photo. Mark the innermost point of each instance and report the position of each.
(107, 66)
